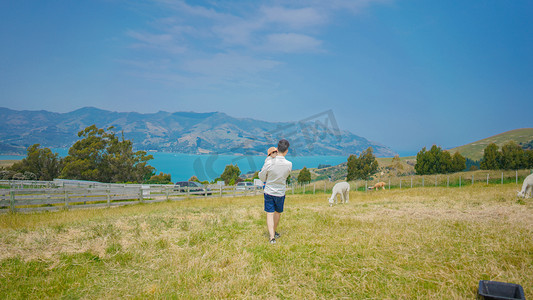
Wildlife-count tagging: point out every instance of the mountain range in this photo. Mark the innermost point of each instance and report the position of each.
(182, 132)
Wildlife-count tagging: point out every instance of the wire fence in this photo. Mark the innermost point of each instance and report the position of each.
(483, 177)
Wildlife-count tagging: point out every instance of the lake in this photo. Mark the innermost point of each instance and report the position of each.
(208, 167)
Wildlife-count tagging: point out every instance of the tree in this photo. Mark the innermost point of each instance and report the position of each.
(231, 174)
(422, 163)
(101, 156)
(124, 165)
(162, 178)
(445, 162)
(513, 157)
(304, 176)
(429, 162)
(41, 162)
(529, 158)
(434, 161)
(396, 164)
(472, 165)
(194, 178)
(491, 158)
(362, 167)
(458, 162)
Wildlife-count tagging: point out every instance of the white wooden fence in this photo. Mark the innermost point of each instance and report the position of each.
(25, 196)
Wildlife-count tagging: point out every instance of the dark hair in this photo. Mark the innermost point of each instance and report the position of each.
(283, 145)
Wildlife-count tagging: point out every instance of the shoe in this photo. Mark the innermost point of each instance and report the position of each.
(276, 235)
(273, 241)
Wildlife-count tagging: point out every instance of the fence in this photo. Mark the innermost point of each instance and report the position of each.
(25, 196)
(66, 194)
(460, 179)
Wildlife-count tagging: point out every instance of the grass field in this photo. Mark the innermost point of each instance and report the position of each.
(426, 243)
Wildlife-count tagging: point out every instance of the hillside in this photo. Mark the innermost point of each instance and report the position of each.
(181, 132)
(475, 150)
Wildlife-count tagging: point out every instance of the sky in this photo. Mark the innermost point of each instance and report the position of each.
(404, 73)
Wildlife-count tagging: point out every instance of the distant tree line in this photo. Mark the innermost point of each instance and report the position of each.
(437, 161)
(511, 157)
(99, 155)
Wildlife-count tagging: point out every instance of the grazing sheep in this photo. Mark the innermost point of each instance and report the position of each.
(342, 188)
(377, 186)
(527, 187)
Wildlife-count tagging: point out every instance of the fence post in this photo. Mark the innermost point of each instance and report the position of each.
(220, 190)
(108, 197)
(314, 187)
(324, 186)
(167, 191)
(234, 190)
(516, 176)
(411, 181)
(366, 186)
(502, 177)
(188, 191)
(487, 178)
(400, 183)
(389, 183)
(435, 180)
(422, 181)
(292, 187)
(66, 197)
(304, 188)
(448, 182)
(12, 200)
(459, 181)
(472, 179)
(141, 193)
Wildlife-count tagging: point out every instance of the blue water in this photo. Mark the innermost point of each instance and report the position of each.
(208, 167)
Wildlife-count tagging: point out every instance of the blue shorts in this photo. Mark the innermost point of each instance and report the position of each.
(274, 203)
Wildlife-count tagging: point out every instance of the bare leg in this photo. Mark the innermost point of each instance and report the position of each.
(347, 196)
(270, 224)
(277, 215)
(342, 198)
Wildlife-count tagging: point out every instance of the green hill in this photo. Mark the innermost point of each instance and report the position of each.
(475, 150)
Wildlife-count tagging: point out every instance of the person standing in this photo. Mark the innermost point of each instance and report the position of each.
(274, 174)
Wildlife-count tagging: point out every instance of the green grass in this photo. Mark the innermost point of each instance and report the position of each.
(427, 243)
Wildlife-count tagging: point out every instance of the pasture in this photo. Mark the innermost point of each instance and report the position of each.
(427, 243)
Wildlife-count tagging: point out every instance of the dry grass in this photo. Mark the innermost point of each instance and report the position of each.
(429, 243)
(6, 163)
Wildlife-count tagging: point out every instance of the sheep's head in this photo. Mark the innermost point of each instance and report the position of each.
(521, 194)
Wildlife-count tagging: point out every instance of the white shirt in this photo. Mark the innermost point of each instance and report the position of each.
(274, 174)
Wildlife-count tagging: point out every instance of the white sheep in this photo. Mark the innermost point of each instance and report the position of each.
(341, 188)
(527, 187)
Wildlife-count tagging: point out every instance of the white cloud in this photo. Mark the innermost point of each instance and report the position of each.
(293, 18)
(220, 42)
(163, 42)
(291, 43)
(198, 11)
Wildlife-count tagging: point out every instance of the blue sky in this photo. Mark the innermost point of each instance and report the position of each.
(407, 74)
